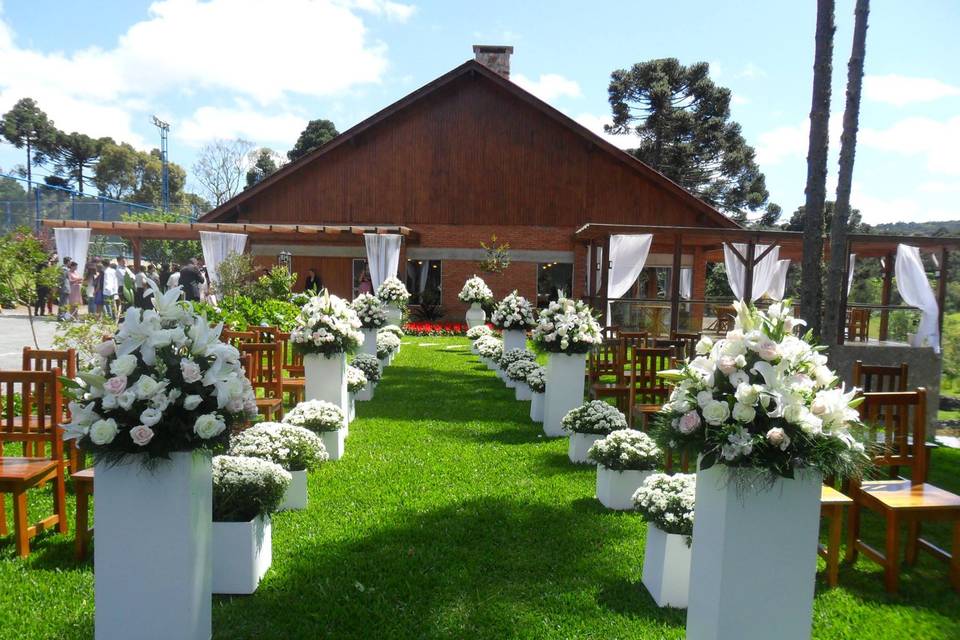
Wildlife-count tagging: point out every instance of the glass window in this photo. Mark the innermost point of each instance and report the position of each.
(423, 280)
(361, 277)
(553, 280)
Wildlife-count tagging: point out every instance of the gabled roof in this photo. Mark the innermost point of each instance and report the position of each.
(474, 68)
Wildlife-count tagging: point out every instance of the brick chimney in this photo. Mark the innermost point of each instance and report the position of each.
(496, 58)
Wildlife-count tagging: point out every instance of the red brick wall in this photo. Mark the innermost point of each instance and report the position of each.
(521, 276)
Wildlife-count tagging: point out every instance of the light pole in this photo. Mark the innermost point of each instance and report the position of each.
(164, 131)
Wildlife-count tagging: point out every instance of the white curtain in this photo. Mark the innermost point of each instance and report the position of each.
(915, 290)
(628, 254)
(73, 244)
(686, 282)
(778, 284)
(763, 271)
(853, 262)
(217, 247)
(383, 256)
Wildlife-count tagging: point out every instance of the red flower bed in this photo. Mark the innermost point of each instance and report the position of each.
(435, 328)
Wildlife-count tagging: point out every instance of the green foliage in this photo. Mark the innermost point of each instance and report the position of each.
(163, 251)
(76, 155)
(240, 312)
(316, 134)
(950, 343)
(682, 120)
(235, 274)
(27, 126)
(497, 256)
(264, 165)
(126, 173)
(855, 222)
(276, 283)
(83, 336)
(11, 189)
(20, 253)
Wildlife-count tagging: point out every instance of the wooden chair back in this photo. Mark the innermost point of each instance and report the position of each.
(50, 359)
(687, 343)
(610, 333)
(646, 386)
(265, 367)
(632, 340)
(725, 318)
(237, 338)
(264, 334)
(291, 358)
(874, 378)
(895, 420)
(858, 324)
(605, 359)
(25, 397)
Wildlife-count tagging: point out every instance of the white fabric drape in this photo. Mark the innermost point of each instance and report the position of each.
(686, 282)
(383, 256)
(217, 247)
(73, 244)
(853, 262)
(628, 254)
(778, 283)
(424, 273)
(763, 271)
(915, 290)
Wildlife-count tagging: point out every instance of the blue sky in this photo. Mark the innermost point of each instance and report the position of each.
(259, 70)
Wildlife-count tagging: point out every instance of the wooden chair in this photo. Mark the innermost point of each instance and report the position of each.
(263, 334)
(902, 414)
(687, 342)
(648, 392)
(83, 489)
(237, 338)
(40, 395)
(265, 374)
(858, 324)
(724, 320)
(602, 361)
(294, 381)
(832, 504)
(608, 359)
(611, 333)
(631, 341)
(48, 360)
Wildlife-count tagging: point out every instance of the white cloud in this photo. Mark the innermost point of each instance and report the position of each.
(902, 90)
(935, 141)
(390, 10)
(242, 121)
(549, 86)
(595, 124)
(877, 210)
(739, 100)
(751, 71)
(936, 186)
(791, 141)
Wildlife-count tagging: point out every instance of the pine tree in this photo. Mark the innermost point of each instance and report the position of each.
(316, 134)
(25, 125)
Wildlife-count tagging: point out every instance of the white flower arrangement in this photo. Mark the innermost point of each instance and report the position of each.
(479, 331)
(762, 398)
(293, 448)
(595, 416)
(537, 379)
(668, 502)
(387, 344)
(316, 415)
(391, 328)
(392, 291)
(510, 356)
(475, 290)
(164, 383)
(327, 325)
(489, 347)
(513, 312)
(520, 369)
(244, 488)
(567, 326)
(356, 379)
(369, 310)
(626, 449)
(369, 365)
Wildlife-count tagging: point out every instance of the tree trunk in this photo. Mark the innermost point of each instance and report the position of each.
(29, 178)
(833, 322)
(816, 191)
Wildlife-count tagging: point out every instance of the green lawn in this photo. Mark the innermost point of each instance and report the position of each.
(451, 517)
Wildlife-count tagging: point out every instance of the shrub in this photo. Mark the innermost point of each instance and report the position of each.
(668, 502)
(595, 416)
(235, 276)
(626, 449)
(519, 370)
(293, 448)
(84, 336)
(316, 415)
(244, 488)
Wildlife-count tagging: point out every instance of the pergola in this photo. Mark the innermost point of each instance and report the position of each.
(707, 245)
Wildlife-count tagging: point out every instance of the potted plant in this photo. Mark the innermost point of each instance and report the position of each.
(768, 419)
(370, 310)
(514, 317)
(517, 373)
(164, 393)
(667, 504)
(245, 492)
(566, 330)
(387, 346)
(477, 332)
(476, 293)
(370, 367)
(324, 419)
(489, 349)
(587, 424)
(507, 358)
(394, 295)
(624, 460)
(356, 383)
(537, 381)
(295, 449)
(326, 330)
(395, 330)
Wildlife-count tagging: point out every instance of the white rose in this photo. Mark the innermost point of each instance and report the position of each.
(727, 364)
(151, 416)
(141, 435)
(103, 431)
(190, 371)
(738, 377)
(747, 394)
(109, 401)
(106, 348)
(123, 365)
(778, 438)
(126, 399)
(704, 345)
(209, 426)
(716, 412)
(743, 413)
(767, 349)
(704, 398)
(147, 387)
(191, 402)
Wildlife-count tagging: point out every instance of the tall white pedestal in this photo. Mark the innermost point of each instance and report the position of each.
(514, 339)
(326, 379)
(475, 315)
(536, 406)
(369, 345)
(564, 392)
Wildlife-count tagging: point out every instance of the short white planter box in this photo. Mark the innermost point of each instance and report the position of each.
(384, 363)
(565, 373)
(394, 316)
(476, 316)
(615, 488)
(754, 558)
(369, 345)
(352, 415)
(333, 442)
(491, 364)
(326, 379)
(580, 444)
(473, 347)
(514, 339)
(521, 391)
(366, 393)
(242, 553)
(154, 530)
(536, 406)
(497, 370)
(296, 495)
(666, 569)
(511, 384)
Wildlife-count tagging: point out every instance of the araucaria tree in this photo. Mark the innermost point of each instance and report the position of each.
(682, 120)
(25, 125)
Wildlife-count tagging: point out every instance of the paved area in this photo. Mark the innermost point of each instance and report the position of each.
(15, 335)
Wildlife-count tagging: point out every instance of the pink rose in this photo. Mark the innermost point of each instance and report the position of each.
(727, 364)
(689, 422)
(106, 348)
(190, 370)
(767, 349)
(778, 438)
(141, 435)
(115, 385)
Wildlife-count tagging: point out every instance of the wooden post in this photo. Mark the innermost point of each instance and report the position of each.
(885, 297)
(942, 288)
(842, 315)
(749, 263)
(136, 253)
(675, 285)
(698, 288)
(605, 280)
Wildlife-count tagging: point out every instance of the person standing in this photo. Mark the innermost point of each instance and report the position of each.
(99, 297)
(366, 284)
(91, 279)
(75, 298)
(63, 294)
(164, 275)
(139, 288)
(173, 279)
(314, 283)
(111, 289)
(43, 291)
(191, 280)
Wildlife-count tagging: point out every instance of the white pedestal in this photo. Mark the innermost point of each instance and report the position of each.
(366, 393)
(579, 445)
(475, 315)
(326, 379)
(485, 362)
(296, 495)
(536, 406)
(514, 339)
(152, 555)
(754, 558)
(666, 571)
(615, 489)
(384, 363)
(353, 409)
(369, 345)
(333, 442)
(473, 347)
(242, 553)
(521, 391)
(511, 384)
(564, 389)
(394, 316)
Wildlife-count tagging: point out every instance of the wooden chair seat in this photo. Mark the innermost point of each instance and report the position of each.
(270, 408)
(83, 488)
(296, 387)
(24, 470)
(901, 495)
(832, 503)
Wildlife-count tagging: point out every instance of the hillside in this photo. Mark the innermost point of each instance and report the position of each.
(942, 228)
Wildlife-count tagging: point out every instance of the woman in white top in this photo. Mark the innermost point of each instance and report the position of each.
(174, 279)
